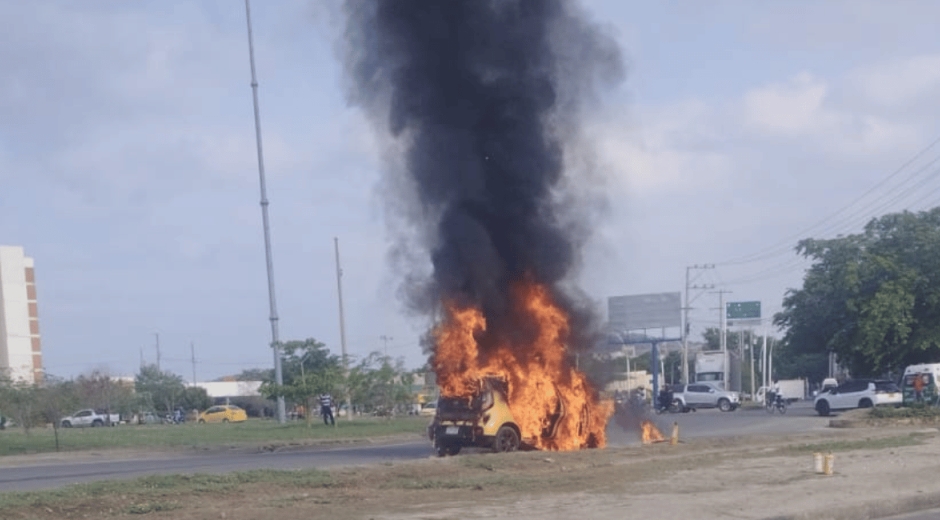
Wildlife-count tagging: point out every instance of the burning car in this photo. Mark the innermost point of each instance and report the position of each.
(484, 420)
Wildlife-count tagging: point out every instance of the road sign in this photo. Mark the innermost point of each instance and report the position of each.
(742, 310)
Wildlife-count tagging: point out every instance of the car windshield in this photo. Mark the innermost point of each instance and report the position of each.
(459, 404)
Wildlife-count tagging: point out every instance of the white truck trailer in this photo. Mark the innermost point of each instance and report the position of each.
(710, 366)
(791, 390)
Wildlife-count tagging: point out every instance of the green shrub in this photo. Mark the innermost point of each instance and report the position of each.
(920, 410)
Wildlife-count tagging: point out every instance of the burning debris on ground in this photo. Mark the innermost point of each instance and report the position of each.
(479, 104)
(635, 416)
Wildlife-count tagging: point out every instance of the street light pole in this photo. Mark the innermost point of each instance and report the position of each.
(272, 300)
(342, 329)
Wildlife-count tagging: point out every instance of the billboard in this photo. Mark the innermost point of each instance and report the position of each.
(644, 311)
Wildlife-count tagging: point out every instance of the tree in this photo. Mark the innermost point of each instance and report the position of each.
(871, 298)
(379, 384)
(195, 398)
(712, 337)
(255, 374)
(160, 390)
(99, 391)
(22, 400)
(55, 398)
(307, 369)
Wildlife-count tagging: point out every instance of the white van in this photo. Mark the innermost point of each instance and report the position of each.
(928, 374)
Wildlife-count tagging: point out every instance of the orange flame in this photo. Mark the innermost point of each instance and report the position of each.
(553, 403)
(649, 433)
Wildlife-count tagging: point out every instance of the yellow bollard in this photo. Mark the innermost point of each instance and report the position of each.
(675, 433)
(829, 464)
(818, 462)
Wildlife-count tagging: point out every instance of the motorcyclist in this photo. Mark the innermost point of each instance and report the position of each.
(774, 397)
(665, 398)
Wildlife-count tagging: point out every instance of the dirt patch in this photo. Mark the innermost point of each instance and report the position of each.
(878, 471)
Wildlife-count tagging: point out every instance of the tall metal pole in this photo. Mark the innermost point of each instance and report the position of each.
(192, 351)
(723, 338)
(275, 342)
(750, 346)
(686, 326)
(685, 332)
(157, 335)
(342, 328)
(763, 366)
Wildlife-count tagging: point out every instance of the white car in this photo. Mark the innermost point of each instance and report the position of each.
(858, 393)
(705, 394)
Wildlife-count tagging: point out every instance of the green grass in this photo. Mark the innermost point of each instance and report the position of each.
(924, 411)
(912, 439)
(255, 431)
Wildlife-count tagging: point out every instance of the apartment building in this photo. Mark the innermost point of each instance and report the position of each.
(20, 346)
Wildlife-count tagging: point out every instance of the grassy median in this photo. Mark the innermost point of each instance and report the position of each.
(14, 441)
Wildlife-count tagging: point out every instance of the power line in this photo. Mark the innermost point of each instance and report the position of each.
(786, 243)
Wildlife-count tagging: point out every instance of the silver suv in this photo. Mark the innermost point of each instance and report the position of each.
(704, 394)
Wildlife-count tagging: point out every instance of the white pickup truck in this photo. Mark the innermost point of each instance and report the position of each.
(89, 417)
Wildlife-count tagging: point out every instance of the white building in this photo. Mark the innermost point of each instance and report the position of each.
(20, 347)
(231, 388)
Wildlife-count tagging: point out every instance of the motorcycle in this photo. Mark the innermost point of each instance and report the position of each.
(665, 403)
(776, 403)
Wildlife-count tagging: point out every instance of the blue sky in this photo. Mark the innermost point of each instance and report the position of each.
(128, 165)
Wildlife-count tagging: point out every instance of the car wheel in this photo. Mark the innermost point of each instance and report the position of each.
(865, 403)
(822, 408)
(506, 439)
(202, 421)
(724, 405)
(96, 423)
(66, 424)
(225, 420)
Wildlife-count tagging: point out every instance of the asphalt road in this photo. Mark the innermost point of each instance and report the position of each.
(800, 417)
(28, 474)
(54, 473)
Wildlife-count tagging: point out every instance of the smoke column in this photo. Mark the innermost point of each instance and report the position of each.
(477, 100)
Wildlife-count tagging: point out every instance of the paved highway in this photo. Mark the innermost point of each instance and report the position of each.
(47, 472)
(61, 471)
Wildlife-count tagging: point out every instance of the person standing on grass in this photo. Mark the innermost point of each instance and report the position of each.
(326, 409)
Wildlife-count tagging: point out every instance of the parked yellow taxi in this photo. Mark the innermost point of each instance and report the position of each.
(222, 414)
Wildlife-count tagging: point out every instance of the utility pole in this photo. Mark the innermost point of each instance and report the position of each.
(722, 335)
(750, 346)
(192, 350)
(385, 339)
(157, 334)
(272, 300)
(342, 329)
(685, 322)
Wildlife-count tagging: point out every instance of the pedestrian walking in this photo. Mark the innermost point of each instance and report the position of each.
(326, 409)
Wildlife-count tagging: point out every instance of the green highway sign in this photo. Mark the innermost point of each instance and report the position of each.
(742, 310)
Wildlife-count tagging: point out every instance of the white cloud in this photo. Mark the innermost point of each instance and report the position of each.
(818, 113)
(789, 108)
(900, 83)
(662, 149)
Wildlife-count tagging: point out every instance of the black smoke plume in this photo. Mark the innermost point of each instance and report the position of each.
(477, 100)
